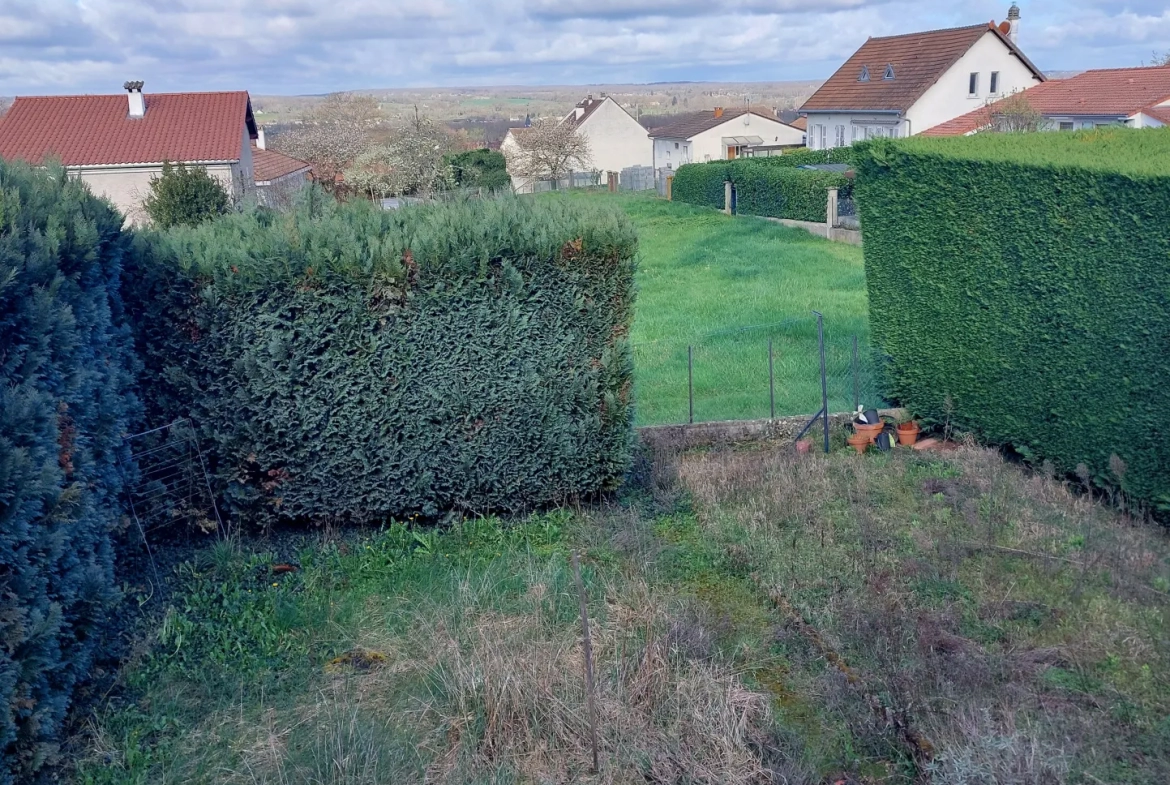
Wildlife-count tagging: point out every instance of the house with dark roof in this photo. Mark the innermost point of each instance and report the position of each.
(905, 84)
(718, 135)
(118, 143)
(1132, 97)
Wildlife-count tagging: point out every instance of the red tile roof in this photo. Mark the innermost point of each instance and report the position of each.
(801, 123)
(269, 165)
(919, 60)
(94, 130)
(1107, 92)
(589, 104)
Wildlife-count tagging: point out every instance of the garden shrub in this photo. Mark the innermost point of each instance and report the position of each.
(66, 401)
(1018, 286)
(762, 187)
(346, 363)
(486, 169)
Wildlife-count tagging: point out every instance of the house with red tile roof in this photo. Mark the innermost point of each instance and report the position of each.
(902, 85)
(1133, 97)
(118, 143)
(278, 177)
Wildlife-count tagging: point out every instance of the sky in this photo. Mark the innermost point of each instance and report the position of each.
(296, 47)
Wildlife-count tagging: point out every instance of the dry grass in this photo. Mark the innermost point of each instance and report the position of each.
(758, 617)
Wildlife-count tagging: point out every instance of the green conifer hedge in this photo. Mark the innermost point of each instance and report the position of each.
(349, 364)
(1021, 284)
(66, 400)
(773, 187)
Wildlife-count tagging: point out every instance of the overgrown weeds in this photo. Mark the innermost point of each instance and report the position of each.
(758, 617)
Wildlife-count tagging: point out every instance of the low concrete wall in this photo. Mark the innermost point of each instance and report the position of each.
(709, 434)
(823, 230)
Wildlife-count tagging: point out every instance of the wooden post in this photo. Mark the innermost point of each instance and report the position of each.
(831, 211)
(727, 197)
(588, 640)
(670, 188)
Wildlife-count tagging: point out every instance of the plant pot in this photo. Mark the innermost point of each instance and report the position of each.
(908, 434)
(804, 446)
(860, 442)
(869, 431)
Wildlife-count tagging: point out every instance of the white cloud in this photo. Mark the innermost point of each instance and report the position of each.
(302, 46)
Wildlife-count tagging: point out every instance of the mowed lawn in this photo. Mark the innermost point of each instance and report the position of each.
(726, 286)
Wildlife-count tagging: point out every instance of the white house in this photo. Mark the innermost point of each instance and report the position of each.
(719, 135)
(118, 143)
(616, 140)
(905, 84)
(1132, 97)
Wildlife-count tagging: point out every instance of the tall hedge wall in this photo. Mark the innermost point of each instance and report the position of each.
(1023, 282)
(349, 364)
(66, 400)
(763, 186)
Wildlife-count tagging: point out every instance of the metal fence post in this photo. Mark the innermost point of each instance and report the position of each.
(824, 377)
(856, 378)
(771, 380)
(691, 384)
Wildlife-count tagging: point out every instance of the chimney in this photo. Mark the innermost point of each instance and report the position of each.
(718, 112)
(260, 143)
(135, 98)
(1014, 24)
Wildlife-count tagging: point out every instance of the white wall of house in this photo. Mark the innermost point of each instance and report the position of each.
(841, 129)
(950, 96)
(127, 186)
(671, 152)
(616, 140)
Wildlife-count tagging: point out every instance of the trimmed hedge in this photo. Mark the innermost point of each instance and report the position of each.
(762, 188)
(1019, 283)
(66, 400)
(351, 364)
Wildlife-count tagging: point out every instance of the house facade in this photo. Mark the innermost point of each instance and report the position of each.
(616, 140)
(721, 134)
(1131, 97)
(117, 144)
(903, 85)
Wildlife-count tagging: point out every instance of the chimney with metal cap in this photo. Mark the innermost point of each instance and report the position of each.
(718, 112)
(1014, 24)
(260, 143)
(137, 101)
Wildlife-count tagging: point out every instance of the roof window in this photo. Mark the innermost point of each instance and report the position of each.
(889, 74)
(864, 74)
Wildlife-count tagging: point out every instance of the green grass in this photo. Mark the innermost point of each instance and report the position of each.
(727, 286)
(756, 617)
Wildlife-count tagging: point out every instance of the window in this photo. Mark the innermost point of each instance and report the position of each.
(1066, 125)
(895, 132)
(889, 74)
(839, 137)
(824, 136)
(994, 82)
(864, 74)
(973, 85)
(676, 145)
(854, 134)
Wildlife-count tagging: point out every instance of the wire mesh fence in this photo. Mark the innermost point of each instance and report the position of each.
(751, 373)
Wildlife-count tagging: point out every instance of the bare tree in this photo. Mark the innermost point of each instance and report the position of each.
(333, 134)
(549, 150)
(1015, 114)
(410, 163)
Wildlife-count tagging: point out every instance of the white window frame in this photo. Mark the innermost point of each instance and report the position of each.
(973, 85)
(993, 87)
(839, 136)
(824, 137)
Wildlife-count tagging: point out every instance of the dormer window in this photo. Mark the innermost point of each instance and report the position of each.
(864, 74)
(889, 74)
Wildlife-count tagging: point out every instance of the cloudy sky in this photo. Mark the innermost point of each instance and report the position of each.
(314, 46)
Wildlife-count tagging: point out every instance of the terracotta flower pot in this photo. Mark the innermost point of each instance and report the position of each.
(869, 431)
(908, 433)
(860, 442)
